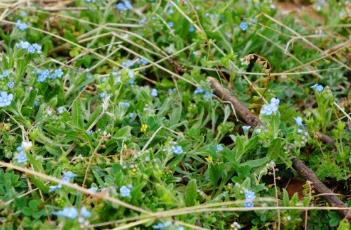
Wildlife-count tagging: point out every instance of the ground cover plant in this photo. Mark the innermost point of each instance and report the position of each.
(112, 117)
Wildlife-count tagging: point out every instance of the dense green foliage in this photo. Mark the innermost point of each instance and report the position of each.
(117, 102)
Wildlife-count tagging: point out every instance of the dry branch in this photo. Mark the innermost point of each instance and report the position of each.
(298, 165)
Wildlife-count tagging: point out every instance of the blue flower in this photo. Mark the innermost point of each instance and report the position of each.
(249, 198)
(124, 104)
(132, 116)
(21, 25)
(5, 98)
(170, 24)
(93, 189)
(90, 132)
(85, 213)
(23, 45)
(53, 188)
(199, 91)
(250, 195)
(298, 121)
(61, 109)
(5, 73)
(21, 157)
(57, 73)
(11, 84)
(171, 91)
(246, 128)
(43, 74)
(131, 75)
(68, 212)
(68, 176)
(124, 5)
(170, 10)
(103, 95)
(244, 26)
(192, 29)
(317, 87)
(34, 48)
(272, 107)
(89, 1)
(177, 149)
(154, 93)
(143, 61)
(249, 204)
(162, 225)
(219, 148)
(30, 48)
(207, 95)
(125, 190)
(127, 63)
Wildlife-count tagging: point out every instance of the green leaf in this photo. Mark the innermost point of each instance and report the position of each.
(77, 114)
(344, 225)
(190, 196)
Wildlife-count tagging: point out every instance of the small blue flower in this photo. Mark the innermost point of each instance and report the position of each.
(199, 91)
(219, 148)
(89, 1)
(125, 190)
(170, 10)
(90, 132)
(124, 104)
(34, 48)
(103, 95)
(68, 212)
(11, 84)
(207, 95)
(192, 29)
(61, 109)
(170, 24)
(5, 98)
(143, 61)
(142, 21)
(53, 188)
(272, 107)
(249, 195)
(177, 149)
(85, 213)
(21, 25)
(21, 157)
(93, 189)
(43, 74)
(5, 73)
(249, 198)
(124, 5)
(249, 204)
(298, 121)
(317, 87)
(68, 176)
(22, 45)
(131, 75)
(244, 26)
(127, 63)
(30, 48)
(57, 73)
(246, 128)
(162, 225)
(132, 116)
(154, 93)
(171, 91)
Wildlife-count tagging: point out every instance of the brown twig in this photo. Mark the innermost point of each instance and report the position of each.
(240, 109)
(298, 165)
(324, 138)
